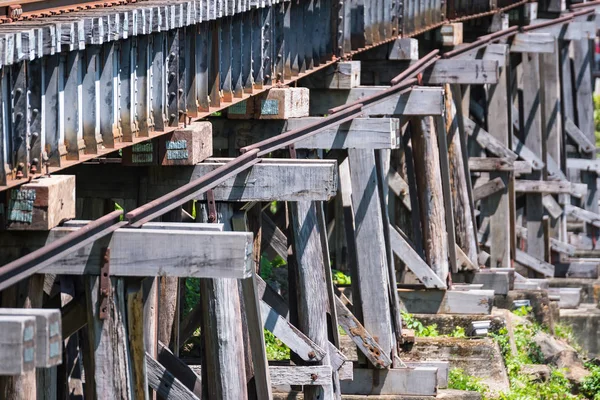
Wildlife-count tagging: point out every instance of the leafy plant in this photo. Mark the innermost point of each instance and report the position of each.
(523, 311)
(276, 350)
(420, 330)
(565, 332)
(459, 380)
(458, 332)
(266, 266)
(192, 295)
(339, 278)
(597, 118)
(590, 387)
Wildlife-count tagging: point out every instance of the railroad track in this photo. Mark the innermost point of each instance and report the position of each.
(14, 11)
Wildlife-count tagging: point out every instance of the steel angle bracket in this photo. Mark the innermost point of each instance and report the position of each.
(104, 284)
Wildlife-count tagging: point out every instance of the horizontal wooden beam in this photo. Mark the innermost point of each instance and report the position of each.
(534, 264)
(572, 31)
(487, 141)
(405, 252)
(420, 101)
(446, 301)
(421, 381)
(582, 164)
(367, 133)
(270, 179)
(533, 42)
(577, 269)
(543, 186)
(489, 164)
(499, 282)
(149, 252)
(452, 71)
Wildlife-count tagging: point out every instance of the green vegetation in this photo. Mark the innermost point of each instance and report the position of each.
(597, 118)
(590, 387)
(458, 332)
(339, 278)
(457, 379)
(266, 266)
(276, 350)
(420, 330)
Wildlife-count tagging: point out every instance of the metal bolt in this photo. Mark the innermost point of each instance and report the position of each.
(314, 377)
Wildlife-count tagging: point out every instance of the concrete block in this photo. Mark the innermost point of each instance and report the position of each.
(141, 154)
(499, 282)
(242, 110)
(42, 204)
(283, 103)
(404, 49)
(187, 146)
(451, 34)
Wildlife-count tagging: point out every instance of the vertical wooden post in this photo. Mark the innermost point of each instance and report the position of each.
(109, 358)
(25, 294)
(222, 332)
(370, 247)
(497, 206)
(552, 120)
(463, 217)
(310, 284)
(137, 342)
(431, 199)
(529, 84)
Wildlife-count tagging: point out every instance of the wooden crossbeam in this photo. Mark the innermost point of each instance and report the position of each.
(418, 102)
(399, 188)
(420, 381)
(527, 154)
(582, 142)
(405, 252)
(453, 71)
(532, 42)
(552, 206)
(149, 252)
(487, 189)
(573, 31)
(359, 335)
(582, 164)
(487, 141)
(583, 215)
(284, 375)
(296, 180)
(180, 370)
(534, 264)
(485, 164)
(447, 301)
(544, 186)
(368, 133)
(164, 383)
(18, 347)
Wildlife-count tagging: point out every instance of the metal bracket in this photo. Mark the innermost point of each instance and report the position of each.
(104, 283)
(212, 208)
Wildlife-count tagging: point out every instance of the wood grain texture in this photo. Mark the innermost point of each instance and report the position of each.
(165, 384)
(311, 287)
(447, 302)
(431, 199)
(402, 381)
(370, 245)
(489, 188)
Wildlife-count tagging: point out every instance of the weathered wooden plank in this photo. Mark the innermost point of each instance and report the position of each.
(482, 164)
(446, 302)
(311, 287)
(527, 154)
(572, 31)
(544, 186)
(532, 42)
(418, 101)
(405, 252)
(551, 205)
(314, 375)
(148, 252)
(305, 348)
(298, 180)
(136, 336)
(534, 263)
(582, 215)
(463, 261)
(371, 252)
(431, 199)
(179, 370)
(109, 373)
(577, 269)
(400, 381)
(451, 71)
(165, 384)
(361, 337)
(399, 187)
(582, 164)
(489, 188)
(48, 341)
(488, 141)
(580, 139)
(496, 281)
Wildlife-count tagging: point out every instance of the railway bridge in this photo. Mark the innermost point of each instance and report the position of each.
(160, 160)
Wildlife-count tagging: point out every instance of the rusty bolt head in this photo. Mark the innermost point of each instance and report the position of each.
(314, 377)
(311, 354)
